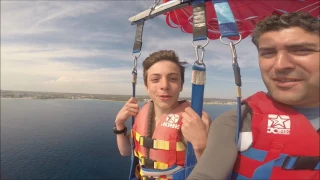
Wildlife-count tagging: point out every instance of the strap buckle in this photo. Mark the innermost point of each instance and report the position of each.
(146, 142)
(147, 162)
(300, 162)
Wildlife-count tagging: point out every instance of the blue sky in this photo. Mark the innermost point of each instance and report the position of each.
(86, 46)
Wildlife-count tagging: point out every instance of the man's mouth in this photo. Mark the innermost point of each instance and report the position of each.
(285, 82)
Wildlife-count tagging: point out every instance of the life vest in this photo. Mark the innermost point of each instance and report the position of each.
(163, 153)
(285, 145)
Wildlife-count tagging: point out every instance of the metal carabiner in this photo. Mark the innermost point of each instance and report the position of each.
(202, 46)
(233, 52)
(199, 61)
(133, 55)
(240, 38)
(155, 4)
(134, 69)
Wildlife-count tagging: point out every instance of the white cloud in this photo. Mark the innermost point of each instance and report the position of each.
(49, 46)
(26, 17)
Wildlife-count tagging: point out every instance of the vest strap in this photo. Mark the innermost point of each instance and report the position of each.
(158, 144)
(148, 178)
(152, 164)
(147, 163)
(301, 163)
(146, 142)
(285, 161)
(153, 178)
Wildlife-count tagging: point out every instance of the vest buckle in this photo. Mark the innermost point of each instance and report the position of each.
(146, 142)
(147, 162)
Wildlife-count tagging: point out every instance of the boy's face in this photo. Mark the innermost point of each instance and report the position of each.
(164, 83)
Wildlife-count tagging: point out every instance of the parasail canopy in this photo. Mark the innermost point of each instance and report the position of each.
(246, 14)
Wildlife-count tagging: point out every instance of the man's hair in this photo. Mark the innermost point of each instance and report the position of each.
(158, 56)
(279, 22)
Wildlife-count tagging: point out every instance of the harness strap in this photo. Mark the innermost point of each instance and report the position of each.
(300, 163)
(136, 49)
(284, 161)
(199, 20)
(227, 24)
(198, 82)
(138, 38)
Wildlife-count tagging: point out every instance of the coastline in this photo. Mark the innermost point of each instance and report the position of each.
(109, 100)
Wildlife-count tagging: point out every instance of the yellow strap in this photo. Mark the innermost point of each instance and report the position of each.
(157, 164)
(144, 178)
(161, 144)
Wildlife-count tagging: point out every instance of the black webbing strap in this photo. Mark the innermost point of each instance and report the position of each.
(301, 163)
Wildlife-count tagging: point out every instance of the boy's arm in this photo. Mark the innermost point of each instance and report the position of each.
(123, 141)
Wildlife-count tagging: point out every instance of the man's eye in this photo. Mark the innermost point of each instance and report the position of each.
(302, 51)
(267, 53)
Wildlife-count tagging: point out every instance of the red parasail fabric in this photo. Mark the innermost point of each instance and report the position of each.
(246, 14)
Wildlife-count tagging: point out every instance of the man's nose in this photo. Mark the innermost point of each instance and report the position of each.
(283, 61)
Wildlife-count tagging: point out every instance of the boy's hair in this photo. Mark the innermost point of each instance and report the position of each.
(158, 56)
(279, 22)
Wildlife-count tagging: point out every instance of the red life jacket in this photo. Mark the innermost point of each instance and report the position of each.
(285, 144)
(163, 153)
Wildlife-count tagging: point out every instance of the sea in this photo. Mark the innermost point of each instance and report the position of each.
(64, 139)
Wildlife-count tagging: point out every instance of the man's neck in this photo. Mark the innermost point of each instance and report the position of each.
(309, 105)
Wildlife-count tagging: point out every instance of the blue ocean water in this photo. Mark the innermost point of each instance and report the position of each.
(64, 139)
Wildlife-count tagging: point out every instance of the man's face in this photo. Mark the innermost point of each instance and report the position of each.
(289, 64)
(164, 84)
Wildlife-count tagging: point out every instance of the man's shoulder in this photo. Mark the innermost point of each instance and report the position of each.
(233, 112)
(230, 117)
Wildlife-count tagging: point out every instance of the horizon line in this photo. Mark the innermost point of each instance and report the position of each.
(104, 94)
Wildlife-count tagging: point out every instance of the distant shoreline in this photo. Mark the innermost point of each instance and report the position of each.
(7, 94)
(30, 98)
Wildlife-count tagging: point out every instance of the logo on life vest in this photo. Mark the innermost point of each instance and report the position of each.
(171, 121)
(278, 124)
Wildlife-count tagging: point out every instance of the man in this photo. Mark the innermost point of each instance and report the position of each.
(279, 137)
(162, 125)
